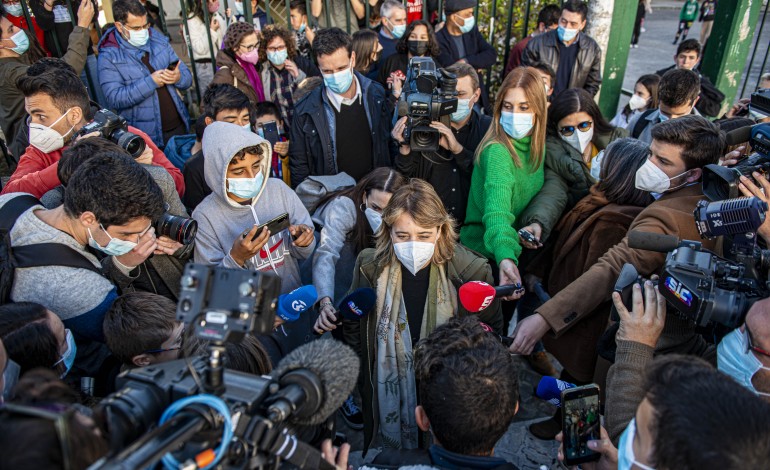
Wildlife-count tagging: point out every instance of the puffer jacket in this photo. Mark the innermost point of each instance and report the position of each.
(129, 87)
(586, 73)
(567, 180)
(466, 265)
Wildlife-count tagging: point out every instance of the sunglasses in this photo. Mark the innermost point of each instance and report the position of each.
(584, 126)
(750, 344)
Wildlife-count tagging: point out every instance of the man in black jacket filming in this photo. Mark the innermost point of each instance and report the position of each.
(449, 169)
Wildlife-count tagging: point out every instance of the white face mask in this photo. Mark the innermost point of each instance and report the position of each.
(626, 458)
(637, 102)
(374, 218)
(115, 247)
(736, 360)
(414, 255)
(596, 165)
(579, 140)
(651, 178)
(45, 138)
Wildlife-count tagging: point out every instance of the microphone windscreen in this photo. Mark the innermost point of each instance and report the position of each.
(475, 296)
(738, 136)
(549, 389)
(358, 303)
(652, 241)
(291, 305)
(335, 365)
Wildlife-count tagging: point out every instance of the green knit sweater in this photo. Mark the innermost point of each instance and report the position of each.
(499, 193)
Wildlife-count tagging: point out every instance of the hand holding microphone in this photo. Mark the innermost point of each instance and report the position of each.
(354, 306)
(476, 296)
(291, 305)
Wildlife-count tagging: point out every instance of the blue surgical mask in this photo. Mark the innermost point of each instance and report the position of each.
(467, 26)
(339, 82)
(663, 117)
(138, 38)
(13, 8)
(302, 28)
(463, 110)
(68, 358)
(115, 247)
(516, 125)
(736, 360)
(278, 57)
(21, 42)
(246, 188)
(566, 34)
(626, 458)
(398, 30)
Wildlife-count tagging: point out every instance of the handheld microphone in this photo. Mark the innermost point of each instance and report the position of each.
(475, 296)
(291, 305)
(355, 305)
(506, 341)
(549, 389)
(652, 241)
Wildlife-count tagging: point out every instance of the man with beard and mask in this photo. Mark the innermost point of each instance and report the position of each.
(678, 93)
(680, 149)
(449, 170)
(236, 168)
(141, 74)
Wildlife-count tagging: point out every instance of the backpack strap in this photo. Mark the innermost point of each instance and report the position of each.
(641, 124)
(13, 209)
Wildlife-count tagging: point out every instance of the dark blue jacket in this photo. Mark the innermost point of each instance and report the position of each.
(478, 53)
(312, 149)
(128, 85)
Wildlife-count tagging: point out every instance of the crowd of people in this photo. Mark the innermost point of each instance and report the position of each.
(529, 186)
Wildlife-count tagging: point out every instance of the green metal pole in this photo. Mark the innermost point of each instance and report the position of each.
(623, 17)
(207, 21)
(162, 18)
(248, 15)
(288, 16)
(729, 45)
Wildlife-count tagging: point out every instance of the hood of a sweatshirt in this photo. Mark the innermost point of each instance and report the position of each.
(221, 141)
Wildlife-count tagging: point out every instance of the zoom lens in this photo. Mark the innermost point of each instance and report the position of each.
(181, 229)
(128, 141)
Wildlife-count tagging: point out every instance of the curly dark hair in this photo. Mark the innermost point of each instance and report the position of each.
(271, 32)
(402, 46)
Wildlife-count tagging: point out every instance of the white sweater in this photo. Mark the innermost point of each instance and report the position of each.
(200, 43)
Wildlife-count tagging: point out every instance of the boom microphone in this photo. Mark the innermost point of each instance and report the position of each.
(738, 136)
(475, 296)
(652, 241)
(291, 305)
(315, 379)
(549, 389)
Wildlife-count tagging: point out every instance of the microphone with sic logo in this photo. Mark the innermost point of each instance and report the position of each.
(354, 306)
(291, 305)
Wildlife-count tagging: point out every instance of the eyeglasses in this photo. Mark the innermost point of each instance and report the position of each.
(137, 28)
(750, 344)
(584, 126)
(249, 48)
(276, 49)
(172, 348)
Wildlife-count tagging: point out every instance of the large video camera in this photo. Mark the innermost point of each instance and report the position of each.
(114, 127)
(429, 94)
(721, 182)
(257, 419)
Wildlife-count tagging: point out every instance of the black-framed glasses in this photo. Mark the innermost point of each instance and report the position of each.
(172, 348)
(249, 48)
(137, 28)
(750, 344)
(584, 126)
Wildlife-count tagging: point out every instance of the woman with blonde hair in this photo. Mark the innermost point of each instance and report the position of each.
(415, 269)
(508, 173)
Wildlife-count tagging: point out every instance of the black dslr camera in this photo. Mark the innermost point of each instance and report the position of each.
(720, 182)
(178, 228)
(114, 127)
(429, 94)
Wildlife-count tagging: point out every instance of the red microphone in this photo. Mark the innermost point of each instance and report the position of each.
(475, 296)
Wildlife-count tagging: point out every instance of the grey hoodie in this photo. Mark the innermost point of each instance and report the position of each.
(221, 220)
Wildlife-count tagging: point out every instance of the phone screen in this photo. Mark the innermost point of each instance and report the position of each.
(270, 130)
(580, 424)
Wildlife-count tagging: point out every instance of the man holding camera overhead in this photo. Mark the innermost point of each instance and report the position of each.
(58, 107)
(449, 168)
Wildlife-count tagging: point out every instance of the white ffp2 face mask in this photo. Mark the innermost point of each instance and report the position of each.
(651, 178)
(414, 255)
(46, 138)
(579, 140)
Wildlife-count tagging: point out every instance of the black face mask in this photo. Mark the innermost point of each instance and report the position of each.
(417, 48)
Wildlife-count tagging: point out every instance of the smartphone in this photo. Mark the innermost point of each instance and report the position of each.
(275, 225)
(270, 130)
(580, 423)
(528, 236)
(173, 65)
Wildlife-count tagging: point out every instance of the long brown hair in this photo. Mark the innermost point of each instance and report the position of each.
(382, 179)
(528, 80)
(419, 200)
(364, 42)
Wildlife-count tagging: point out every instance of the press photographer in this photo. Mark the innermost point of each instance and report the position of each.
(58, 108)
(448, 169)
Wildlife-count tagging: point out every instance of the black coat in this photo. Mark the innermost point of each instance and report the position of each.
(310, 148)
(478, 53)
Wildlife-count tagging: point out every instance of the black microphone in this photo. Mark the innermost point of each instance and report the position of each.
(354, 306)
(739, 136)
(652, 241)
(315, 380)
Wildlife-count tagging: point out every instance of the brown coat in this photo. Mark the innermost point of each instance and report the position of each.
(585, 234)
(670, 215)
(231, 73)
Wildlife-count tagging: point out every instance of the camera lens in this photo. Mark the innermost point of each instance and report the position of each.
(177, 228)
(128, 141)
(423, 139)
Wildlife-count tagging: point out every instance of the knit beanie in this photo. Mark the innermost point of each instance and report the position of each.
(452, 6)
(235, 33)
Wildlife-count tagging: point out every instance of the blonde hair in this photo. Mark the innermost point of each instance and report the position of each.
(419, 200)
(528, 80)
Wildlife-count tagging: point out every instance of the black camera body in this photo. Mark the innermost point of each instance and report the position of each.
(429, 94)
(721, 182)
(114, 127)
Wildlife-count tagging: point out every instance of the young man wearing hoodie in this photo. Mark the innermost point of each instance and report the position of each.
(236, 168)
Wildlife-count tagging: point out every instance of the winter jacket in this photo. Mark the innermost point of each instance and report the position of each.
(129, 87)
(230, 72)
(465, 265)
(312, 148)
(586, 73)
(478, 53)
(12, 111)
(567, 180)
(199, 39)
(36, 173)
